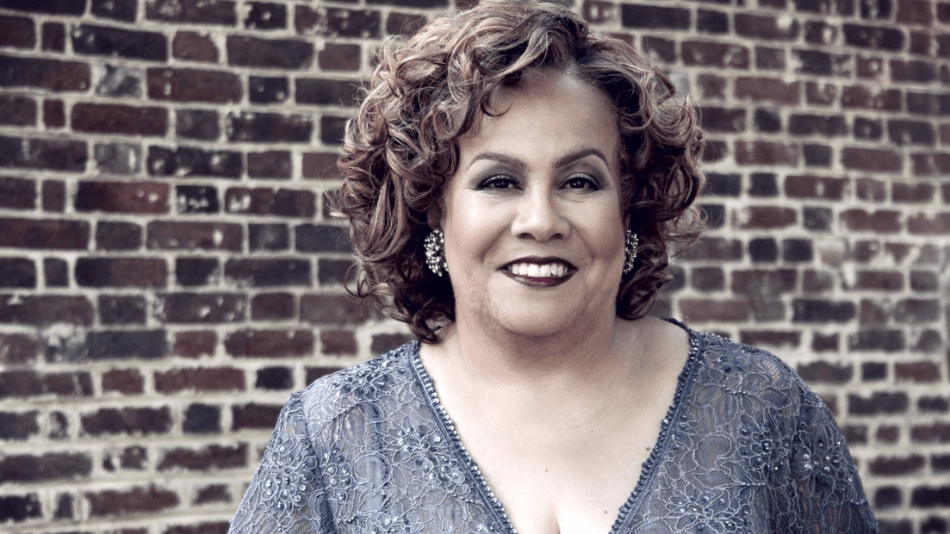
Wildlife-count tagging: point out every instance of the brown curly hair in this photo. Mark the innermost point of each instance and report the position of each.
(429, 91)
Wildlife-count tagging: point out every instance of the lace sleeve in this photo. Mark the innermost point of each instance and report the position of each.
(286, 494)
(822, 489)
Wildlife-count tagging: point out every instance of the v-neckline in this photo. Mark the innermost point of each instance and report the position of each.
(647, 470)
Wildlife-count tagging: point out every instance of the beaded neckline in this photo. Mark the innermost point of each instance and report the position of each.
(647, 471)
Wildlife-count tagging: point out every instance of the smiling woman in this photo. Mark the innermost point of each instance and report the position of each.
(514, 188)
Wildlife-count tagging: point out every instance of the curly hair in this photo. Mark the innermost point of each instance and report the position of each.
(429, 91)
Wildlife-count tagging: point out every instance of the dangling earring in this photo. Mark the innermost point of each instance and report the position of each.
(435, 252)
(630, 251)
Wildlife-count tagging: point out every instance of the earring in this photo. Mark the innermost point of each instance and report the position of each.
(435, 252)
(630, 251)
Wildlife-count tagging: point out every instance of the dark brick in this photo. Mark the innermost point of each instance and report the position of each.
(930, 497)
(218, 12)
(823, 94)
(132, 421)
(199, 379)
(17, 273)
(125, 381)
(127, 344)
(770, 338)
(120, 309)
(887, 497)
(764, 27)
(654, 17)
(822, 311)
(193, 85)
(404, 24)
(334, 272)
(192, 199)
(193, 46)
(916, 311)
(817, 219)
(817, 155)
(18, 426)
(881, 221)
(266, 16)
(254, 416)
(64, 507)
(19, 508)
(17, 110)
(212, 457)
(271, 164)
(121, 82)
(50, 466)
(122, 197)
(763, 185)
(879, 403)
(55, 272)
(865, 128)
(724, 310)
(197, 124)
(49, 74)
(924, 281)
(45, 310)
(274, 378)
(202, 419)
(339, 22)
(663, 50)
(121, 10)
(116, 235)
(116, 42)
(24, 384)
(808, 186)
(714, 248)
(765, 153)
(52, 7)
(268, 237)
(340, 57)
(327, 92)
(321, 238)
(43, 154)
(332, 130)
(268, 272)
(873, 371)
(246, 51)
(759, 89)
(916, 192)
(904, 132)
(767, 217)
(715, 119)
(764, 250)
(913, 71)
(762, 283)
(53, 37)
(320, 165)
(270, 343)
(921, 372)
(828, 126)
(797, 250)
(825, 372)
(170, 235)
(214, 493)
(121, 272)
(44, 234)
(336, 342)
(873, 37)
(271, 202)
(709, 21)
(119, 119)
(767, 120)
(877, 340)
(335, 310)
(767, 58)
(863, 98)
(190, 161)
(202, 308)
(268, 90)
(273, 307)
(708, 278)
(268, 127)
(712, 54)
(16, 349)
(135, 501)
(54, 114)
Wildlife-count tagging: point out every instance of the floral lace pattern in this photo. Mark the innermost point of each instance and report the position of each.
(746, 447)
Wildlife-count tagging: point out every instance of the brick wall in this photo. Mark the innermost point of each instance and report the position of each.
(168, 274)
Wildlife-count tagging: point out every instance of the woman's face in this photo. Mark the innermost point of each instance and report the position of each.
(534, 235)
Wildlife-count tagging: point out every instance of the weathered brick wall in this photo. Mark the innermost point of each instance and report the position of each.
(168, 274)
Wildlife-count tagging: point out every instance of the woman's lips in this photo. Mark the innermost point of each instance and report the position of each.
(539, 272)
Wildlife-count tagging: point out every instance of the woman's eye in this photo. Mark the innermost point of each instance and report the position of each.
(498, 182)
(581, 182)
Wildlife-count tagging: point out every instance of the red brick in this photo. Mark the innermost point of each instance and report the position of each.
(825, 372)
(54, 195)
(135, 501)
(273, 307)
(44, 154)
(323, 164)
(766, 217)
(48, 467)
(770, 338)
(765, 153)
(172, 235)
(109, 41)
(18, 32)
(199, 379)
(201, 308)
(870, 190)
(195, 344)
(23, 384)
(270, 164)
(127, 420)
(125, 381)
(193, 46)
(245, 51)
(859, 96)
(929, 224)
(123, 197)
(120, 309)
(268, 127)
(42, 310)
(48, 74)
(270, 343)
(254, 416)
(921, 372)
(805, 186)
(871, 160)
(340, 57)
(879, 280)
(53, 36)
(121, 272)
(938, 432)
(121, 10)
(54, 114)
(119, 119)
(17, 349)
(329, 310)
(210, 458)
(219, 12)
(917, 192)
(768, 90)
(337, 342)
(897, 466)
(882, 221)
(713, 54)
(707, 310)
(875, 312)
(193, 85)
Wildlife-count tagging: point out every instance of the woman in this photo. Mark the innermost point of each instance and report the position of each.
(513, 187)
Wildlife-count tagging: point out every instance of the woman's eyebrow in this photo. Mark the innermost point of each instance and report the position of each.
(519, 165)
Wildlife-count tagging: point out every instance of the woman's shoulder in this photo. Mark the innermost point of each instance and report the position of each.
(330, 395)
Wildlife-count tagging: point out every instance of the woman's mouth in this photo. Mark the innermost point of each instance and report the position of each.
(539, 273)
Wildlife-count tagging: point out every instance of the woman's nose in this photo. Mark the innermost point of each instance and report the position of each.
(539, 217)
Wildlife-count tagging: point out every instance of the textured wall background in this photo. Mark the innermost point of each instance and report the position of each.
(168, 274)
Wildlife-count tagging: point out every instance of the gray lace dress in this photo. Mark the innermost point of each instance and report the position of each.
(745, 447)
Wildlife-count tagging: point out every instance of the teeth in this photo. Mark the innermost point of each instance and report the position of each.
(534, 270)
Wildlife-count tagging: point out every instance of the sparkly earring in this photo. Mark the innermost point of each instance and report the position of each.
(435, 252)
(630, 251)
